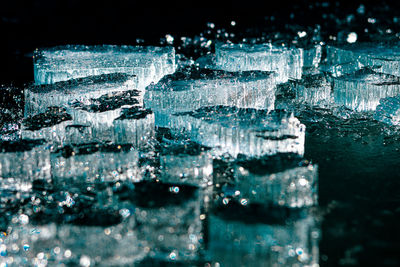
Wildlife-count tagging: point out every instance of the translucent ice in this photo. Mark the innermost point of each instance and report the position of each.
(185, 163)
(134, 126)
(362, 90)
(238, 240)
(39, 97)
(192, 88)
(22, 162)
(242, 131)
(62, 63)
(95, 162)
(388, 110)
(312, 56)
(385, 58)
(283, 180)
(286, 62)
(314, 90)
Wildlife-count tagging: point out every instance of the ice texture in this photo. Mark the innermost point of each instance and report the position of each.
(95, 162)
(62, 63)
(22, 162)
(385, 58)
(283, 180)
(134, 126)
(168, 220)
(314, 90)
(192, 88)
(186, 163)
(242, 131)
(312, 56)
(362, 90)
(286, 62)
(39, 97)
(235, 240)
(388, 110)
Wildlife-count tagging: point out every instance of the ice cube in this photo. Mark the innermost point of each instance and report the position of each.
(242, 131)
(134, 126)
(362, 90)
(236, 240)
(384, 57)
(286, 62)
(62, 63)
(95, 162)
(192, 88)
(388, 110)
(22, 162)
(283, 180)
(185, 163)
(39, 97)
(168, 220)
(49, 125)
(314, 90)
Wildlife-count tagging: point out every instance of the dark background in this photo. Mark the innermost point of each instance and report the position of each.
(360, 200)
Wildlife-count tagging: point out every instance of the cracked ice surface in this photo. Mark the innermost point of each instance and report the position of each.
(193, 88)
(286, 62)
(62, 63)
(242, 131)
(362, 90)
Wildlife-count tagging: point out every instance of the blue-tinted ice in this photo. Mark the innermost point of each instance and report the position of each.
(388, 110)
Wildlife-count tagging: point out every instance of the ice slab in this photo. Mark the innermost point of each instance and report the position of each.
(95, 162)
(312, 56)
(286, 62)
(99, 237)
(314, 90)
(242, 131)
(185, 163)
(62, 63)
(168, 220)
(235, 242)
(22, 162)
(388, 110)
(39, 97)
(283, 180)
(134, 126)
(192, 88)
(362, 90)
(385, 58)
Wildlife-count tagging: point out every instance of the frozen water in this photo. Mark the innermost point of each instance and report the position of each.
(185, 163)
(50, 125)
(62, 63)
(193, 88)
(238, 240)
(242, 131)
(312, 56)
(385, 58)
(341, 69)
(314, 90)
(134, 126)
(168, 220)
(39, 97)
(362, 90)
(22, 162)
(388, 110)
(95, 162)
(286, 62)
(283, 179)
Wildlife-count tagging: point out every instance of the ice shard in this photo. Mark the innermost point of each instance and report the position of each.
(282, 180)
(192, 88)
(314, 90)
(168, 220)
(62, 63)
(22, 162)
(286, 62)
(385, 58)
(242, 131)
(388, 110)
(39, 97)
(95, 162)
(185, 163)
(134, 126)
(312, 56)
(362, 90)
(242, 236)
